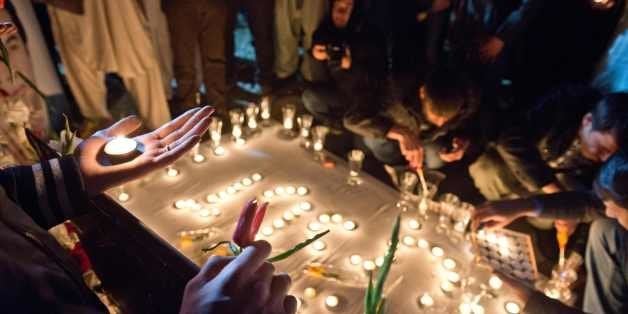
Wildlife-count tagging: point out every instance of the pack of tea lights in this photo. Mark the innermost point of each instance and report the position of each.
(507, 251)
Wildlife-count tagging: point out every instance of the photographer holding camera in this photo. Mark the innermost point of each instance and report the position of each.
(354, 56)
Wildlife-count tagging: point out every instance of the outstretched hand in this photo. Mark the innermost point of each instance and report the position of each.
(499, 214)
(161, 148)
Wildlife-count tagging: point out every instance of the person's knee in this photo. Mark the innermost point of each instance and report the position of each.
(384, 150)
(603, 235)
(312, 103)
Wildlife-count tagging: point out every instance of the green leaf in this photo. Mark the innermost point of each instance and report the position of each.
(296, 248)
(369, 295)
(382, 275)
(31, 84)
(381, 306)
(214, 246)
(66, 142)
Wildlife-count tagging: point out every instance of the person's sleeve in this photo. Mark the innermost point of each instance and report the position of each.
(519, 20)
(49, 192)
(368, 118)
(539, 303)
(583, 206)
(523, 159)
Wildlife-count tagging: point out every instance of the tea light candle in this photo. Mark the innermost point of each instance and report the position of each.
(368, 265)
(215, 212)
(426, 300)
(238, 186)
(355, 259)
(305, 206)
(180, 204)
(231, 190)
(447, 287)
(422, 243)
(319, 245)
(349, 225)
(279, 223)
(223, 195)
(449, 264)
(172, 172)
(379, 261)
(453, 277)
(309, 293)
(267, 231)
(495, 282)
(121, 149)
(280, 190)
(314, 226)
(332, 301)
(123, 197)
(219, 151)
(336, 218)
(324, 218)
(212, 198)
(291, 190)
(437, 251)
(269, 194)
(288, 216)
(409, 240)
(257, 177)
(302, 191)
(414, 224)
(198, 158)
(204, 213)
(296, 211)
(512, 307)
(247, 182)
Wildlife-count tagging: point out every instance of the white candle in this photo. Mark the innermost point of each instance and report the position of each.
(305, 206)
(368, 265)
(379, 261)
(204, 213)
(280, 190)
(319, 245)
(449, 264)
(324, 218)
(198, 158)
(123, 197)
(409, 240)
(302, 191)
(336, 218)
(257, 177)
(247, 182)
(212, 198)
(216, 212)
(309, 293)
(453, 277)
(279, 223)
(269, 194)
(422, 243)
(495, 282)
(315, 226)
(291, 190)
(180, 204)
(349, 225)
(355, 259)
(426, 300)
(447, 287)
(219, 151)
(288, 216)
(414, 224)
(172, 172)
(438, 251)
(120, 146)
(231, 190)
(332, 301)
(267, 231)
(512, 307)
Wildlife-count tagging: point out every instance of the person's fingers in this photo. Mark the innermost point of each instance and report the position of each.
(180, 132)
(261, 287)
(197, 130)
(279, 288)
(123, 127)
(236, 274)
(213, 266)
(290, 304)
(175, 153)
(175, 124)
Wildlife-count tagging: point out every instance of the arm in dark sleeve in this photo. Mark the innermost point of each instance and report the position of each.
(524, 160)
(74, 6)
(368, 119)
(539, 303)
(518, 20)
(583, 206)
(50, 192)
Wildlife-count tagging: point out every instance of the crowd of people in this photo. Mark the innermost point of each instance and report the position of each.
(522, 93)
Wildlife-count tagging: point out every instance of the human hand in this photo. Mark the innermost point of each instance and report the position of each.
(459, 148)
(440, 5)
(243, 284)
(409, 145)
(345, 62)
(491, 49)
(497, 214)
(7, 28)
(319, 52)
(161, 148)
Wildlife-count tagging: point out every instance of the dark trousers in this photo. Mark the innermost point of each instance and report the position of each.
(202, 24)
(260, 17)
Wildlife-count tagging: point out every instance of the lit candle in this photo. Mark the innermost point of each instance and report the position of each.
(309, 293)
(296, 211)
(379, 261)
(319, 245)
(204, 213)
(302, 191)
(172, 172)
(453, 277)
(336, 218)
(349, 225)
(238, 186)
(315, 226)
(280, 190)
(219, 151)
(199, 158)
(267, 231)
(368, 265)
(426, 300)
(247, 182)
(414, 224)
(438, 251)
(180, 204)
(257, 177)
(291, 190)
(449, 264)
(495, 282)
(212, 198)
(305, 206)
(447, 287)
(422, 243)
(121, 149)
(223, 195)
(123, 197)
(512, 307)
(409, 240)
(324, 218)
(216, 212)
(288, 216)
(332, 301)
(269, 194)
(231, 190)
(279, 223)
(355, 259)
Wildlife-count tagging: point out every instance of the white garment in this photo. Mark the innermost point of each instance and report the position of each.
(111, 36)
(160, 36)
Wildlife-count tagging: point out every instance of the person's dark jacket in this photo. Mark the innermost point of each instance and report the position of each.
(367, 46)
(36, 274)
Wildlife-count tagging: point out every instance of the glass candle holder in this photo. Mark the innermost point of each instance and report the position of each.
(265, 111)
(215, 135)
(355, 158)
(196, 153)
(319, 133)
(461, 217)
(305, 124)
(237, 119)
(407, 185)
(251, 116)
(288, 113)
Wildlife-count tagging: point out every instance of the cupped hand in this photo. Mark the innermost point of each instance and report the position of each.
(160, 148)
(460, 147)
(243, 284)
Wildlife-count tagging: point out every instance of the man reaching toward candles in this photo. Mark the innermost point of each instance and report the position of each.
(38, 276)
(606, 259)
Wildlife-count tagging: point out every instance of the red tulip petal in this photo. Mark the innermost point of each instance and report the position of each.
(241, 233)
(257, 221)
